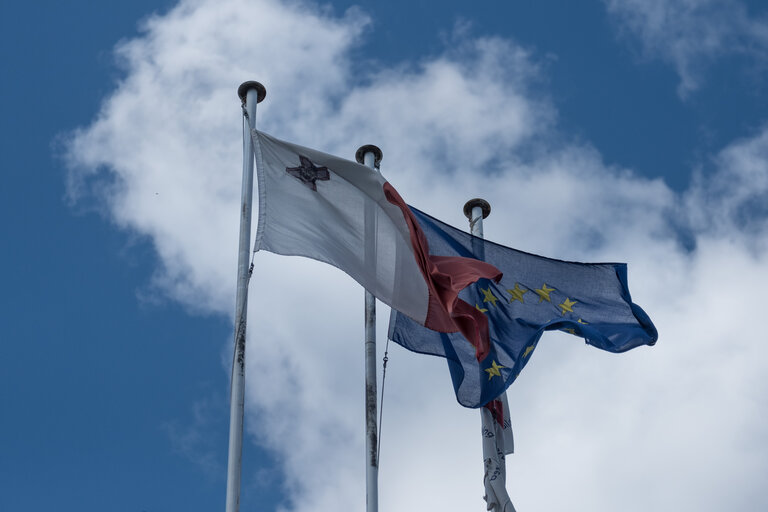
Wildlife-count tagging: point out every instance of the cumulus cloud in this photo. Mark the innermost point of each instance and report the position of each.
(677, 426)
(692, 34)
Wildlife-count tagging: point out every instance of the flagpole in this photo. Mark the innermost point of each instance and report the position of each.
(370, 156)
(498, 500)
(250, 94)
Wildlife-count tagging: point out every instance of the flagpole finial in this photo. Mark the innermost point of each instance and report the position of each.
(242, 91)
(369, 148)
(472, 203)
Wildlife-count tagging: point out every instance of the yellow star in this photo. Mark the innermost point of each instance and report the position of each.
(582, 321)
(566, 306)
(543, 293)
(482, 310)
(517, 293)
(488, 296)
(528, 350)
(572, 331)
(493, 371)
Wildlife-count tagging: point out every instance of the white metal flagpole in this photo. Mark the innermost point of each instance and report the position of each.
(497, 439)
(370, 156)
(250, 94)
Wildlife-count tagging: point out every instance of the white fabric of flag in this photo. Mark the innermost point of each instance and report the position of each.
(334, 210)
(497, 444)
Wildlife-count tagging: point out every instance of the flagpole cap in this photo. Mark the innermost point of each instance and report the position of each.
(472, 203)
(369, 148)
(242, 91)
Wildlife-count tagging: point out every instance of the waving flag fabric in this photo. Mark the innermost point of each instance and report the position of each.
(536, 294)
(497, 444)
(340, 212)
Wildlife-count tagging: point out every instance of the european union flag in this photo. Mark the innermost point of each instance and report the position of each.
(536, 294)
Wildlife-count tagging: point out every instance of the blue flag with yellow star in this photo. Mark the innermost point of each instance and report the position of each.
(535, 294)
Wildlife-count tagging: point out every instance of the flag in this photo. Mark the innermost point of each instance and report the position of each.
(345, 214)
(497, 444)
(536, 294)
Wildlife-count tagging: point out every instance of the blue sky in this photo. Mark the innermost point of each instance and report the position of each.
(640, 124)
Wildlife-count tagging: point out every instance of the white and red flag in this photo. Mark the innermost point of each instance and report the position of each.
(339, 212)
(497, 444)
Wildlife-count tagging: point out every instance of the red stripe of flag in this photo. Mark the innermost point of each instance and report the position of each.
(446, 276)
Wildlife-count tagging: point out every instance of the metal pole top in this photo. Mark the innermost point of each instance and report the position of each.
(472, 203)
(369, 148)
(242, 91)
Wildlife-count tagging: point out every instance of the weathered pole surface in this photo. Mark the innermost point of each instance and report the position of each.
(370, 156)
(250, 94)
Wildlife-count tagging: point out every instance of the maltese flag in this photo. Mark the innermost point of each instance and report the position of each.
(345, 214)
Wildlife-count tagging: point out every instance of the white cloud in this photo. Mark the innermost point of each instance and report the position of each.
(736, 194)
(692, 34)
(673, 427)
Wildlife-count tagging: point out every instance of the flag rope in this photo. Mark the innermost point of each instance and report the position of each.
(381, 405)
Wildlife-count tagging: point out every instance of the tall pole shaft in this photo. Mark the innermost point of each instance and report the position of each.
(371, 406)
(476, 210)
(251, 93)
(370, 156)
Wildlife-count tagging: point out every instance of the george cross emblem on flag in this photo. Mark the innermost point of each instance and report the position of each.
(308, 173)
